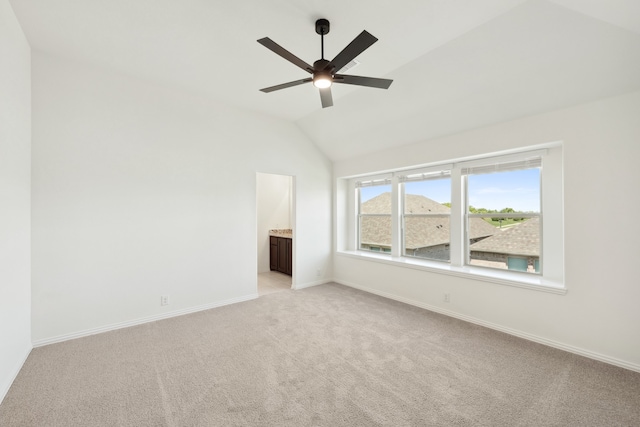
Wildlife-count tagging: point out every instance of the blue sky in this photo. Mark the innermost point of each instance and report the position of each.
(367, 193)
(435, 189)
(519, 190)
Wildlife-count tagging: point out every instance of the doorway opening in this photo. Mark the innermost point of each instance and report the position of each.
(275, 200)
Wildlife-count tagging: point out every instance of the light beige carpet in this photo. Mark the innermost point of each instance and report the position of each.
(323, 356)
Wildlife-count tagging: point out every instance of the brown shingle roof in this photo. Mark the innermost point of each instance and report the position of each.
(378, 205)
(522, 239)
(420, 232)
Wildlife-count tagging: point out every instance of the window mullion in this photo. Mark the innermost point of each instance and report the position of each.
(358, 218)
(397, 197)
(458, 207)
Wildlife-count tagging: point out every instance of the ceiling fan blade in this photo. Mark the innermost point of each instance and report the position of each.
(275, 47)
(362, 81)
(326, 98)
(355, 48)
(286, 85)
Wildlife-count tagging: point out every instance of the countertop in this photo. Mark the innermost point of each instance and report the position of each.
(282, 232)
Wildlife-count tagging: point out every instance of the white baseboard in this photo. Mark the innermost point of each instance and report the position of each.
(141, 320)
(551, 343)
(310, 284)
(16, 370)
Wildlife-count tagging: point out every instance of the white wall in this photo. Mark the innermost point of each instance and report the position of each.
(599, 315)
(274, 200)
(140, 191)
(15, 197)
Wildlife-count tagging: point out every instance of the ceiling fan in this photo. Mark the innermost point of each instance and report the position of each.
(324, 73)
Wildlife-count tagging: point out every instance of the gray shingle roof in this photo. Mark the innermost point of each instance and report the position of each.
(420, 232)
(522, 239)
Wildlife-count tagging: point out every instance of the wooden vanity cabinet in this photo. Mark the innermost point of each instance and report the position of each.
(280, 250)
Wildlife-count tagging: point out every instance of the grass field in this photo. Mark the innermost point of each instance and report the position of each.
(506, 222)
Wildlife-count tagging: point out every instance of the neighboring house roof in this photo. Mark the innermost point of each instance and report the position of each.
(420, 232)
(522, 239)
(415, 204)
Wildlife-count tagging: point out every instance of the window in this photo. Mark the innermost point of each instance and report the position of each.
(503, 224)
(426, 212)
(480, 217)
(374, 215)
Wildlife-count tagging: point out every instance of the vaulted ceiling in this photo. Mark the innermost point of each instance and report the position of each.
(456, 64)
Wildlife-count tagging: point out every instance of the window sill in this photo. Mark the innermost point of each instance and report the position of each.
(509, 278)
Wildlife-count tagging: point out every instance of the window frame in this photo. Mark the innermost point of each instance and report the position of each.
(468, 215)
(551, 279)
(441, 172)
(373, 181)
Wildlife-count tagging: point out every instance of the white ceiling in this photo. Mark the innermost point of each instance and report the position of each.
(456, 64)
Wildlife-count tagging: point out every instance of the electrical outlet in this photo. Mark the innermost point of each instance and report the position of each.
(447, 298)
(164, 300)
(318, 273)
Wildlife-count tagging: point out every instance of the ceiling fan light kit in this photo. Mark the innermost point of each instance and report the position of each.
(322, 78)
(324, 72)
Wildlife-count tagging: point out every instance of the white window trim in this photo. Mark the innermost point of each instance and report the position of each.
(552, 278)
(502, 277)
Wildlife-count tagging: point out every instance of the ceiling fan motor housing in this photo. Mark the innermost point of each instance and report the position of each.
(321, 65)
